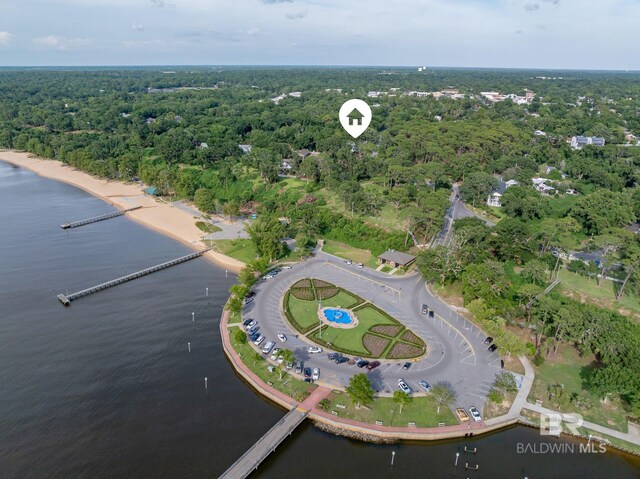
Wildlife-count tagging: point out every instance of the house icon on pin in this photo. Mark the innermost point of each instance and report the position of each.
(355, 117)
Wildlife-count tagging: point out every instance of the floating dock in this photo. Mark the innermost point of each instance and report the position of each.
(95, 219)
(66, 299)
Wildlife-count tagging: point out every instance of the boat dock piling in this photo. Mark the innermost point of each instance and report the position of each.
(95, 219)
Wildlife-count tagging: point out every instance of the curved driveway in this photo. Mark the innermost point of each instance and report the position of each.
(456, 353)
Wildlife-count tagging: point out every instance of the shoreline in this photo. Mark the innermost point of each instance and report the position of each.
(155, 215)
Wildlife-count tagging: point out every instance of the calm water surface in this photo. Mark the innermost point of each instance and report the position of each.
(107, 388)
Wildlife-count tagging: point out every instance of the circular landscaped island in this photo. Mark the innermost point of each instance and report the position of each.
(339, 320)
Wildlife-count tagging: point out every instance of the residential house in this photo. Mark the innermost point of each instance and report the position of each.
(495, 198)
(245, 148)
(577, 142)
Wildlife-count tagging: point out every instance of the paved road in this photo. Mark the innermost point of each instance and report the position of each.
(456, 356)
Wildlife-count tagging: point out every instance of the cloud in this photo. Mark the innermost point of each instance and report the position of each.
(253, 31)
(137, 27)
(272, 2)
(531, 7)
(158, 3)
(5, 39)
(61, 43)
(298, 15)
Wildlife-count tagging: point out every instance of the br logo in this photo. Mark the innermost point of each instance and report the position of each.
(551, 424)
(355, 116)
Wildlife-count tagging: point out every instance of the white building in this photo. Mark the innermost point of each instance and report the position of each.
(577, 142)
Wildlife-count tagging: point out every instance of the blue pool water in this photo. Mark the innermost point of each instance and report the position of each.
(339, 316)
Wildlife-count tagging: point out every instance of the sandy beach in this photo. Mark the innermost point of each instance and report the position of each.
(154, 214)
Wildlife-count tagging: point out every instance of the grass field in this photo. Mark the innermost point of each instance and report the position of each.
(304, 312)
(288, 384)
(569, 369)
(240, 249)
(207, 227)
(341, 300)
(586, 289)
(421, 411)
(345, 251)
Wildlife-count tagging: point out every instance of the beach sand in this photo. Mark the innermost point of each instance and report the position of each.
(154, 214)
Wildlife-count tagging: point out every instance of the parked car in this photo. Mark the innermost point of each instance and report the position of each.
(406, 365)
(360, 265)
(462, 414)
(348, 261)
(314, 350)
(372, 365)
(502, 364)
(269, 276)
(316, 374)
(259, 340)
(250, 324)
(403, 386)
(299, 367)
(251, 294)
(289, 365)
(425, 309)
(362, 363)
(282, 337)
(488, 340)
(267, 347)
(247, 300)
(341, 360)
(431, 314)
(275, 353)
(254, 336)
(333, 356)
(307, 372)
(425, 385)
(246, 322)
(287, 267)
(475, 414)
(493, 347)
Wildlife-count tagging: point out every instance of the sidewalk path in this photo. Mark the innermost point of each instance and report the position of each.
(624, 436)
(521, 399)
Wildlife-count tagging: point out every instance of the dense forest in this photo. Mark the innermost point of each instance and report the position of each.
(180, 130)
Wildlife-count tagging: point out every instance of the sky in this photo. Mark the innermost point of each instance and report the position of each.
(572, 34)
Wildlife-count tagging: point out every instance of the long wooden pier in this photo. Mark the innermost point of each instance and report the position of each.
(66, 299)
(268, 443)
(95, 219)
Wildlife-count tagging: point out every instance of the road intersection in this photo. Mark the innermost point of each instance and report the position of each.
(456, 354)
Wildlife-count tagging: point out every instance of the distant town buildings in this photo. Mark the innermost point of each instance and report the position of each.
(577, 142)
(494, 97)
(452, 93)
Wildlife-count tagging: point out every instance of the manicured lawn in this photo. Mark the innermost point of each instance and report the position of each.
(207, 227)
(351, 339)
(345, 251)
(288, 384)
(304, 312)
(342, 300)
(240, 249)
(570, 370)
(587, 289)
(421, 411)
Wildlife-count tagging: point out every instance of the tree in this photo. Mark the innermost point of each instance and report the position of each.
(240, 336)
(505, 383)
(602, 210)
(535, 271)
(359, 390)
(266, 234)
(443, 395)
(477, 186)
(401, 398)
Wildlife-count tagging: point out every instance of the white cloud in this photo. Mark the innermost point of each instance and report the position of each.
(5, 39)
(137, 27)
(61, 43)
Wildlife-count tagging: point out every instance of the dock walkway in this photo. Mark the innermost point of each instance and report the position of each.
(251, 459)
(95, 219)
(66, 299)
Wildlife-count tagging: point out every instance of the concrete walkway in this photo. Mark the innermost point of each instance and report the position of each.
(624, 436)
(521, 399)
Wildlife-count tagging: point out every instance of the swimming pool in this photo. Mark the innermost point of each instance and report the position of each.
(338, 316)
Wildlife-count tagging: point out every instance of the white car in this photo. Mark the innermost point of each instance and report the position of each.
(274, 354)
(360, 265)
(314, 350)
(259, 340)
(282, 337)
(287, 267)
(347, 261)
(269, 276)
(403, 386)
(280, 360)
(475, 414)
(316, 374)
